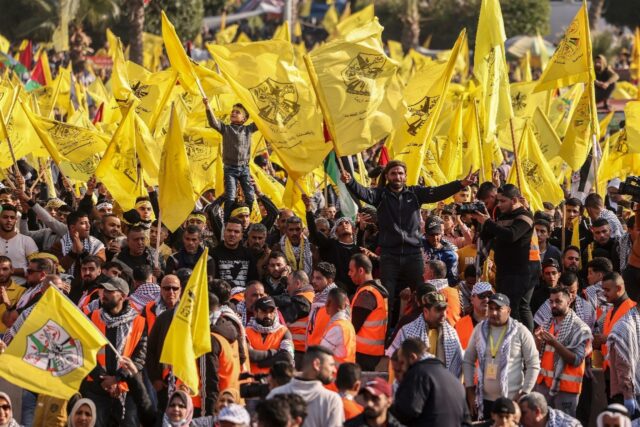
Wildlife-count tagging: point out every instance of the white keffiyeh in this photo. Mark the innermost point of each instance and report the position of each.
(583, 309)
(91, 245)
(504, 354)
(625, 336)
(419, 329)
(572, 333)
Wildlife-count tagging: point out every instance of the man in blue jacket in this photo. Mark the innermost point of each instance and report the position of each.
(399, 235)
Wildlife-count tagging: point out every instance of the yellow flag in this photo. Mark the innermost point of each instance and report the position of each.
(424, 95)
(490, 66)
(118, 169)
(632, 120)
(538, 182)
(523, 100)
(635, 56)
(268, 185)
(202, 146)
(452, 154)
(24, 138)
(395, 50)
(572, 61)
(562, 108)
(575, 231)
(226, 35)
(54, 350)
(4, 44)
(282, 32)
(577, 143)
(188, 336)
(243, 38)
(545, 134)
(355, 20)
(471, 144)
(604, 123)
(279, 100)
(152, 89)
(358, 89)
(152, 53)
(525, 66)
(330, 20)
(176, 197)
(541, 49)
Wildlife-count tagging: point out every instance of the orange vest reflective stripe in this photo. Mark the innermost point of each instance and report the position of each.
(137, 329)
(370, 337)
(351, 408)
(150, 315)
(228, 365)
(571, 376)
(534, 248)
(464, 328)
(348, 339)
(318, 321)
(610, 321)
(298, 328)
(268, 342)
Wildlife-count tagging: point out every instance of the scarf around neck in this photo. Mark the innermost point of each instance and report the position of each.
(123, 322)
(299, 257)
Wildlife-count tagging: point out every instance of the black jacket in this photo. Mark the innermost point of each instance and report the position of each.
(511, 240)
(429, 395)
(360, 421)
(399, 213)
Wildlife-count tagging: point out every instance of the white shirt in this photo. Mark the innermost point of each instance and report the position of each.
(18, 248)
(333, 338)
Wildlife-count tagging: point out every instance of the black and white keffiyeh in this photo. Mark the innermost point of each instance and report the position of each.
(504, 354)
(571, 333)
(285, 344)
(91, 245)
(299, 257)
(123, 324)
(440, 284)
(625, 336)
(419, 329)
(584, 310)
(558, 418)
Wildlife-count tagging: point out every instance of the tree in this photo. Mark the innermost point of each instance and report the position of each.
(595, 12)
(135, 16)
(411, 27)
(623, 13)
(186, 16)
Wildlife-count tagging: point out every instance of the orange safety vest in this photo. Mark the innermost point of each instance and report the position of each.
(85, 300)
(318, 321)
(228, 365)
(453, 304)
(237, 298)
(298, 327)
(464, 328)
(348, 339)
(609, 321)
(571, 376)
(150, 315)
(136, 332)
(351, 408)
(534, 248)
(268, 342)
(370, 337)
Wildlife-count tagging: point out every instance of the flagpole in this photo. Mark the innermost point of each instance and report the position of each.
(481, 154)
(564, 225)
(156, 256)
(515, 153)
(594, 160)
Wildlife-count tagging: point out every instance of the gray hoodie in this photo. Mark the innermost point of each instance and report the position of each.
(324, 407)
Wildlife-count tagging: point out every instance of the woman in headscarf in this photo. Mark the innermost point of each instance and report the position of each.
(179, 410)
(83, 414)
(226, 398)
(6, 412)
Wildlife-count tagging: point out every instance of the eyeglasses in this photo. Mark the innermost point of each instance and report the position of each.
(5, 407)
(177, 405)
(484, 295)
(171, 288)
(29, 271)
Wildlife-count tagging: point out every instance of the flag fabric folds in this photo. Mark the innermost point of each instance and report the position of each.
(188, 336)
(54, 350)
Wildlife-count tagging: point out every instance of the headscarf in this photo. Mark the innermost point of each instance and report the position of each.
(76, 407)
(233, 392)
(12, 422)
(187, 419)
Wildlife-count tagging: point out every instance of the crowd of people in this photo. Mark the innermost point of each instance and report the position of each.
(478, 310)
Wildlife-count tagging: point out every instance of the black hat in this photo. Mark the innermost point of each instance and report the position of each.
(550, 262)
(502, 405)
(434, 299)
(265, 304)
(115, 284)
(501, 299)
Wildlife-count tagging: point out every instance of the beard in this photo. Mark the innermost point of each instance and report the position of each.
(371, 413)
(324, 379)
(556, 312)
(266, 322)
(108, 305)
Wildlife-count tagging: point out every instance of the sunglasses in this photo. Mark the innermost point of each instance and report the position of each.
(484, 295)
(5, 407)
(171, 288)
(29, 271)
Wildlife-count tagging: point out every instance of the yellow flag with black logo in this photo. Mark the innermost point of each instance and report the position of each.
(452, 153)
(202, 146)
(576, 144)
(188, 336)
(279, 99)
(632, 120)
(358, 88)
(425, 95)
(355, 20)
(524, 101)
(572, 61)
(547, 137)
(54, 349)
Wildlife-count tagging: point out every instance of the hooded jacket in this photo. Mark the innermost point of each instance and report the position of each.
(324, 407)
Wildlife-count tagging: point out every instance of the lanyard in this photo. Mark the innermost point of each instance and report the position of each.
(492, 348)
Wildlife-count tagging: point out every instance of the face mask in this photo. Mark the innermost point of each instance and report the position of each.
(266, 322)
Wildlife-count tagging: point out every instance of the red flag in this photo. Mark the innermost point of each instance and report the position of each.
(37, 74)
(384, 156)
(26, 56)
(98, 117)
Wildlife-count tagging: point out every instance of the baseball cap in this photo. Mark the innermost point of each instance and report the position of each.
(434, 227)
(501, 299)
(481, 287)
(377, 387)
(502, 405)
(435, 299)
(235, 414)
(115, 284)
(550, 262)
(265, 303)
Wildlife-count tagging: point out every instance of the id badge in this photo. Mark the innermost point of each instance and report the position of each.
(491, 372)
